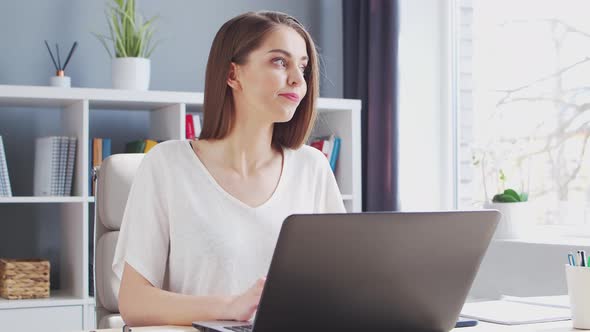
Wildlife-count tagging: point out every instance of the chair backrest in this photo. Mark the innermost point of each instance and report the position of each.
(114, 179)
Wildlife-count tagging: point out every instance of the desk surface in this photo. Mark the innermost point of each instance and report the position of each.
(481, 327)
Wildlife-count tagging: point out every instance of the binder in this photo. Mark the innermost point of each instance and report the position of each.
(5, 190)
(63, 161)
(46, 168)
(70, 165)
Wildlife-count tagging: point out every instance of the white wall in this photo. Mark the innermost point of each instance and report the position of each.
(426, 181)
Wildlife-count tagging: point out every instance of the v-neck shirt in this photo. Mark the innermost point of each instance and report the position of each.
(184, 233)
(216, 184)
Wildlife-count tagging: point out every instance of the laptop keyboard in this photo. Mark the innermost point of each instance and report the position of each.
(244, 328)
(248, 328)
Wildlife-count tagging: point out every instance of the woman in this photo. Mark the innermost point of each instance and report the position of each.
(203, 217)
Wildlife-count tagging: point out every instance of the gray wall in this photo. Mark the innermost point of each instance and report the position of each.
(186, 29)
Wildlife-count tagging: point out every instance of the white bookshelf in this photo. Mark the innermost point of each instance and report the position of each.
(70, 305)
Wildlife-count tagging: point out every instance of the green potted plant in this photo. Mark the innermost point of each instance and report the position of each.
(131, 38)
(516, 219)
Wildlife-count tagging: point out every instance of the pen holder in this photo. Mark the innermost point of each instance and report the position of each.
(578, 287)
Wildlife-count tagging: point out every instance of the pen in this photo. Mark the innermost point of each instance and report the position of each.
(582, 258)
(570, 259)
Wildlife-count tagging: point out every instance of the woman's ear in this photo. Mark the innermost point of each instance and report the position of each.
(232, 76)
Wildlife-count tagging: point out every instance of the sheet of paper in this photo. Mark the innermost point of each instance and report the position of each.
(513, 313)
(559, 301)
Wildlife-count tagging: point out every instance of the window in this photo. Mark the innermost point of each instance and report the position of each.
(523, 106)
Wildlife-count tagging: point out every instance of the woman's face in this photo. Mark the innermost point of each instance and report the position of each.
(271, 84)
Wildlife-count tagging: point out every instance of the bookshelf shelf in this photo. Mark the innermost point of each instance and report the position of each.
(57, 298)
(43, 199)
(45, 96)
(124, 115)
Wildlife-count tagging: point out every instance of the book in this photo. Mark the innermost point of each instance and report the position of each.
(197, 125)
(5, 190)
(96, 151)
(46, 167)
(335, 152)
(135, 146)
(149, 144)
(329, 148)
(96, 159)
(70, 165)
(106, 148)
(189, 127)
(514, 313)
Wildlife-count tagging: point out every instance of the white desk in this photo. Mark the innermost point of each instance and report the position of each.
(481, 327)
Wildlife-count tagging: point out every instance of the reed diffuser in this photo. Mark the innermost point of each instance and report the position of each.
(60, 79)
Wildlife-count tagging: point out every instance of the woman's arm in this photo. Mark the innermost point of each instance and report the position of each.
(140, 303)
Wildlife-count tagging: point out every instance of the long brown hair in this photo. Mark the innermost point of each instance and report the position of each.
(234, 41)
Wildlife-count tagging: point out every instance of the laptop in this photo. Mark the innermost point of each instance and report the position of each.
(381, 271)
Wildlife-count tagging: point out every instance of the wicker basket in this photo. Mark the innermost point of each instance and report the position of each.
(24, 279)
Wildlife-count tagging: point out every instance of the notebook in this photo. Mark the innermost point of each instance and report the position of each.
(514, 313)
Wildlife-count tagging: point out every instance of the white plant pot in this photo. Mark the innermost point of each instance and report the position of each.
(131, 73)
(517, 220)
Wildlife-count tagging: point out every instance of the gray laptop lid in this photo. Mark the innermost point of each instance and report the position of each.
(373, 271)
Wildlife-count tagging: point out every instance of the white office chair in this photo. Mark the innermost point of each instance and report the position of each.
(114, 179)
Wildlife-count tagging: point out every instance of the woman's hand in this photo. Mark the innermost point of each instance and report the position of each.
(242, 307)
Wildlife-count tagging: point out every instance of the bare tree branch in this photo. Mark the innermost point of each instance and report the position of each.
(568, 28)
(559, 72)
(576, 170)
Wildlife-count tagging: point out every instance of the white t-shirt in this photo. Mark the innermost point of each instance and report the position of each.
(184, 233)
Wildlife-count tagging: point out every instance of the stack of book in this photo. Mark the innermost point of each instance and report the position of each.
(5, 190)
(140, 146)
(193, 125)
(330, 146)
(101, 149)
(55, 158)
